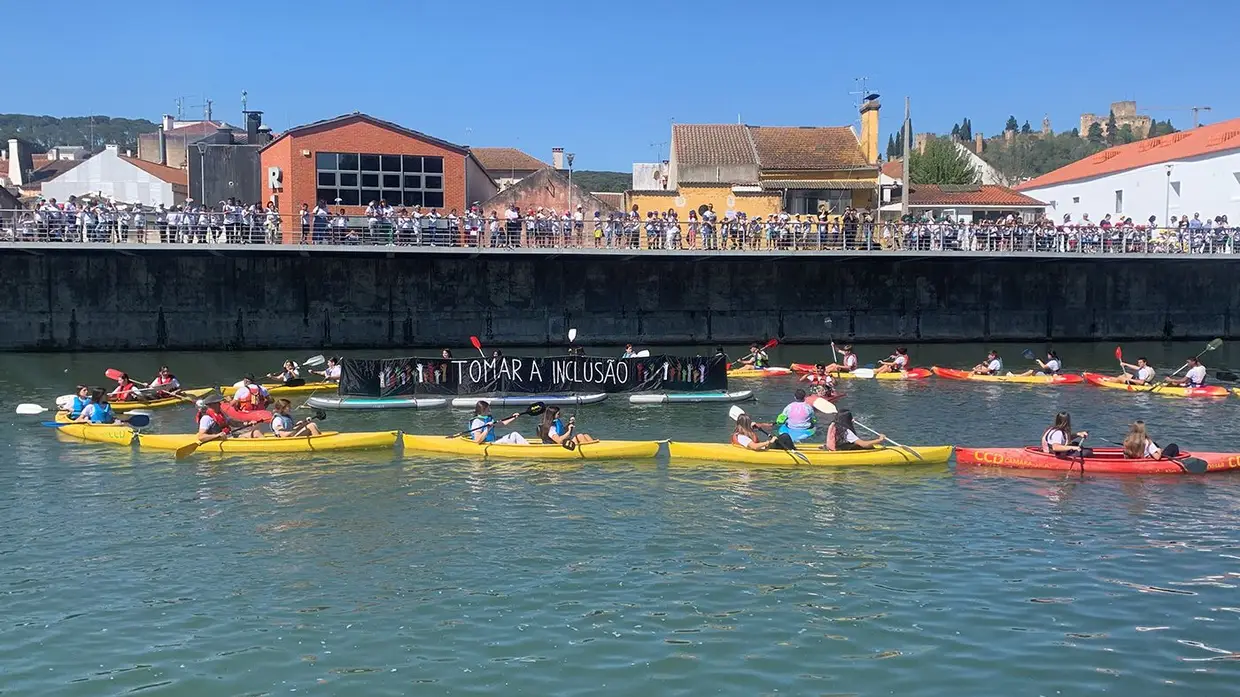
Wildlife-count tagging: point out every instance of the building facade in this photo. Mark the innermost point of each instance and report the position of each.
(120, 178)
(507, 166)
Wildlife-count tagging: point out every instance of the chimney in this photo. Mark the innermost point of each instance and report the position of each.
(869, 129)
(20, 163)
(253, 121)
(557, 158)
(163, 146)
(168, 122)
(264, 135)
(978, 143)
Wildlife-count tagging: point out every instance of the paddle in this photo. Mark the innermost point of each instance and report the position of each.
(644, 353)
(1171, 453)
(736, 412)
(478, 345)
(132, 419)
(1081, 453)
(114, 374)
(532, 410)
(826, 407)
(834, 357)
(188, 449)
(314, 361)
(572, 335)
(1213, 345)
(1027, 354)
(770, 344)
(30, 409)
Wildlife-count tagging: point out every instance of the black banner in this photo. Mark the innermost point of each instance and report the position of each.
(400, 377)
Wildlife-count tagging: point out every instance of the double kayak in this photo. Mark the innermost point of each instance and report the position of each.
(132, 404)
(276, 389)
(726, 452)
(1061, 379)
(376, 402)
(524, 400)
(116, 434)
(328, 440)
(868, 373)
(1169, 390)
(1102, 461)
(691, 397)
(759, 372)
(600, 450)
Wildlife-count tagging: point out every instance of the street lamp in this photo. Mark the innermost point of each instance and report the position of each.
(572, 212)
(202, 171)
(1167, 200)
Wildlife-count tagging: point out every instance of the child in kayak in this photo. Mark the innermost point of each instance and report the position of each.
(289, 371)
(124, 390)
(797, 419)
(282, 425)
(848, 361)
(757, 358)
(746, 436)
(1142, 373)
(1195, 377)
(81, 398)
(553, 431)
(98, 411)
(898, 362)
(840, 435)
(1060, 440)
(482, 426)
(214, 425)
(993, 365)
(1137, 444)
(1051, 366)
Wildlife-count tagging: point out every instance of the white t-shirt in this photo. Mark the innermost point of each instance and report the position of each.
(1053, 365)
(995, 366)
(1149, 448)
(332, 373)
(743, 440)
(901, 361)
(1145, 374)
(1197, 375)
(206, 424)
(89, 410)
(1054, 437)
(850, 361)
(850, 437)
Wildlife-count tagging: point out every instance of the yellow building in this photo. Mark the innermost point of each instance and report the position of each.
(759, 170)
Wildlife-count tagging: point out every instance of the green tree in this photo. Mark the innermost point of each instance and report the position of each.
(1028, 157)
(1025, 128)
(1112, 133)
(615, 182)
(1126, 134)
(892, 152)
(1011, 124)
(956, 131)
(966, 129)
(1094, 135)
(941, 163)
(45, 132)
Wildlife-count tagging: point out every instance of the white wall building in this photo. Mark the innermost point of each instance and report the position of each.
(1181, 174)
(120, 178)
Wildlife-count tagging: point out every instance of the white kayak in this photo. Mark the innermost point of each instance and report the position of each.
(524, 400)
(376, 402)
(691, 397)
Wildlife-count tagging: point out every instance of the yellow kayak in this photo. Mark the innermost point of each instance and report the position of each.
(116, 434)
(276, 389)
(726, 452)
(759, 372)
(602, 450)
(867, 373)
(130, 405)
(1061, 379)
(1157, 388)
(329, 440)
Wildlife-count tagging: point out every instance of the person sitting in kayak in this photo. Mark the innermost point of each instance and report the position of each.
(250, 396)
(283, 426)
(847, 363)
(746, 436)
(166, 382)
(1142, 373)
(80, 399)
(482, 427)
(1060, 440)
(331, 373)
(1137, 444)
(896, 363)
(628, 352)
(797, 419)
(1195, 377)
(993, 365)
(98, 411)
(125, 390)
(446, 354)
(841, 436)
(553, 431)
(289, 371)
(757, 358)
(1051, 366)
(820, 378)
(214, 425)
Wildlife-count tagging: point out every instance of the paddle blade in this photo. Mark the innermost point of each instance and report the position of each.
(113, 373)
(186, 450)
(865, 373)
(1119, 353)
(825, 407)
(572, 335)
(29, 409)
(65, 402)
(475, 342)
(643, 353)
(535, 409)
(138, 420)
(1214, 344)
(1227, 376)
(1028, 354)
(319, 414)
(735, 412)
(314, 361)
(53, 424)
(775, 342)
(1194, 465)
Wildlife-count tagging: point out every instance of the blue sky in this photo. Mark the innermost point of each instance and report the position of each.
(605, 80)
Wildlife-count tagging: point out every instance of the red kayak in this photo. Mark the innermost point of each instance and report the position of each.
(1102, 461)
(245, 416)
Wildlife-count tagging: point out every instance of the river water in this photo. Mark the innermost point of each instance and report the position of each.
(377, 573)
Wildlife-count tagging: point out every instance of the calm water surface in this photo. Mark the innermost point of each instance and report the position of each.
(379, 574)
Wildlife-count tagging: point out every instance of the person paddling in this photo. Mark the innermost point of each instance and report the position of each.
(841, 436)
(1051, 366)
(81, 398)
(1195, 377)
(1060, 440)
(757, 358)
(628, 352)
(847, 362)
(746, 436)
(165, 383)
(798, 419)
(1142, 373)
(820, 378)
(553, 431)
(124, 390)
(898, 362)
(482, 426)
(289, 371)
(98, 411)
(250, 396)
(993, 365)
(1137, 444)
(331, 372)
(283, 426)
(214, 425)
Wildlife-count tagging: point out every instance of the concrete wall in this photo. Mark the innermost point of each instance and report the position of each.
(82, 300)
(232, 171)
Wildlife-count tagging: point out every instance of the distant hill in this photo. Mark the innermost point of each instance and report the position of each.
(617, 182)
(45, 132)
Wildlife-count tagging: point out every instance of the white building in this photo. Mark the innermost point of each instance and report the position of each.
(1181, 174)
(120, 178)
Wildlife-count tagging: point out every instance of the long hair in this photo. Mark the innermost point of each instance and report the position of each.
(744, 426)
(1063, 422)
(843, 424)
(482, 408)
(99, 396)
(1134, 442)
(548, 422)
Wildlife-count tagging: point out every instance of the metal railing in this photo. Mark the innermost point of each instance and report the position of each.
(216, 229)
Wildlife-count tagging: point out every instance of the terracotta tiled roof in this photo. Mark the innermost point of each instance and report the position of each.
(982, 195)
(172, 175)
(894, 168)
(713, 144)
(497, 161)
(807, 147)
(611, 198)
(820, 184)
(1217, 137)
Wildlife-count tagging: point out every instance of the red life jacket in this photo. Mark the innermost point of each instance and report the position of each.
(218, 417)
(121, 393)
(736, 439)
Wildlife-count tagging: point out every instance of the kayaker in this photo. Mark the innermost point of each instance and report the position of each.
(898, 362)
(124, 390)
(166, 382)
(993, 365)
(283, 426)
(841, 436)
(497, 354)
(746, 436)
(482, 426)
(847, 363)
(1051, 366)
(214, 425)
(1137, 444)
(552, 429)
(98, 411)
(628, 352)
(80, 399)
(289, 371)
(446, 354)
(757, 358)
(1060, 439)
(797, 419)
(1195, 377)
(820, 378)
(1143, 373)
(331, 373)
(250, 396)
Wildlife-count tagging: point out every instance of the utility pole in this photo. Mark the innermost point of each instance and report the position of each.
(908, 159)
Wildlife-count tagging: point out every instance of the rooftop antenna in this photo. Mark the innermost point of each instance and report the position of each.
(244, 97)
(861, 94)
(206, 109)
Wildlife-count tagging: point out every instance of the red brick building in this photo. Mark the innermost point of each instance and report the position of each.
(358, 159)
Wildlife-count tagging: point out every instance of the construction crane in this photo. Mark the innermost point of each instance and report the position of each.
(1195, 109)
